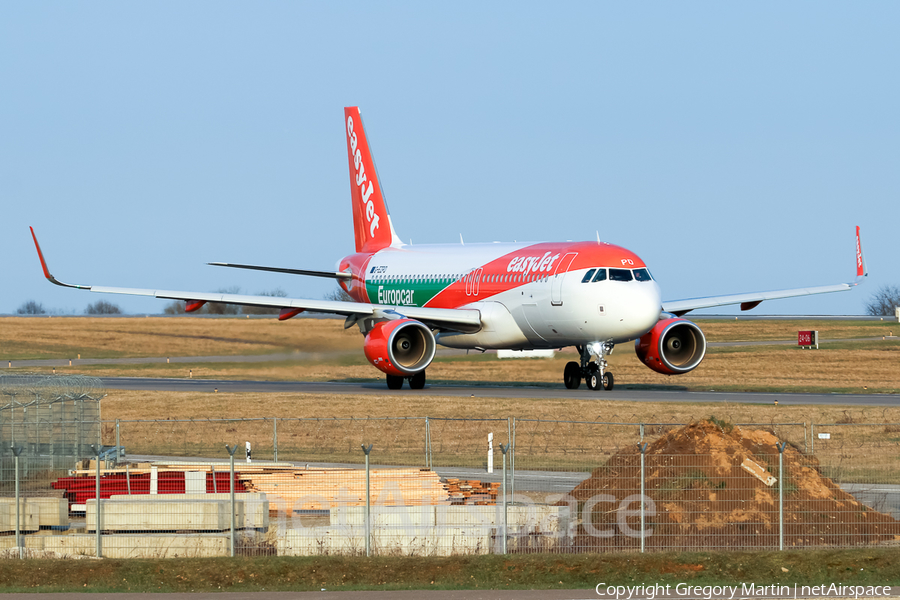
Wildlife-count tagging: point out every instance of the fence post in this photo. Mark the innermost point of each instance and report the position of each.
(490, 456)
(812, 437)
(97, 450)
(366, 450)
(781, 446)
(504, 449)
(17, 450)
(275, 437)
(231, 451)
(643, 451)
(428, 464)
(512, 462)
(118, 442)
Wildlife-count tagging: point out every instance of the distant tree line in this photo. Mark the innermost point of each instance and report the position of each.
(31, 307)
(884, 301)
(218, 308)
(100, 307)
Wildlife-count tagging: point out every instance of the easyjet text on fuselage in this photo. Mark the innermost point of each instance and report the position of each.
(532, 263)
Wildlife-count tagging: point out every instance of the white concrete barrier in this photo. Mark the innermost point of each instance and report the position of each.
(526, 353)
(28, 517)
(145, 545)
(426, 530)
(251, 509)
(178, 512)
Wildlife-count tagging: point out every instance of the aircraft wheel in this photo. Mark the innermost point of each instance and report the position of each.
(394, 382)
(608, 381)
(593, 380)
(572, 375)
(417, 381)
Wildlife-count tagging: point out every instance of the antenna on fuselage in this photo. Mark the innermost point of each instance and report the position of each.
(461, 242)
(598, 237)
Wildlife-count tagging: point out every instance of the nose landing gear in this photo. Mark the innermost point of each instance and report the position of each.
(592, 371)
(416, 382)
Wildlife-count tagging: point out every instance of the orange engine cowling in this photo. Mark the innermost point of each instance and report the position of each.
(672, 347)
(402, 347)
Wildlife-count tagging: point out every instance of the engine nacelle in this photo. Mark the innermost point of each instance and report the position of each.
(672, 347)
(402, 347)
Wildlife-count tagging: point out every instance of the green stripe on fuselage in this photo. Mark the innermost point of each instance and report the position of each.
(405, 292)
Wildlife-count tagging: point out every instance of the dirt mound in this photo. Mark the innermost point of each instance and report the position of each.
(702, 484)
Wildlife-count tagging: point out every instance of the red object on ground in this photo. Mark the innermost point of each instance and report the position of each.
(81, 488)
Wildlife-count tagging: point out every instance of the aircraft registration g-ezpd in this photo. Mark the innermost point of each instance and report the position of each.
(522, 296)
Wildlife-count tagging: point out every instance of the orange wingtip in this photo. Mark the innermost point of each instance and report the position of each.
(40, 255)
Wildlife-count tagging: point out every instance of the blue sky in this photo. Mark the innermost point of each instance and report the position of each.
(733, 146)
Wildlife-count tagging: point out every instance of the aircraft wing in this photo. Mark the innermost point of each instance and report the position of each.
(752, 299)
(466, 320)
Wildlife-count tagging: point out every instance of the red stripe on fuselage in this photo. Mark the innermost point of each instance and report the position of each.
(529, 264)
(357, 263)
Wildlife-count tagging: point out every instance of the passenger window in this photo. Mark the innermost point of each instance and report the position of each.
(619, 275)
(642, 274)
(600, 276)
(588, 275)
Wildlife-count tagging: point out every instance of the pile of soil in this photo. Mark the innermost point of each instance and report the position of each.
(705, 499)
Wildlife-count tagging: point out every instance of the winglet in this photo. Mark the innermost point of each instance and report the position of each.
(861, 271)
(47, 274)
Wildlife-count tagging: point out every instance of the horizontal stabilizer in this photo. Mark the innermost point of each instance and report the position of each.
(330, 274)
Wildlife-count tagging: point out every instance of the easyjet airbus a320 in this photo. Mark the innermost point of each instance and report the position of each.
(590, 295)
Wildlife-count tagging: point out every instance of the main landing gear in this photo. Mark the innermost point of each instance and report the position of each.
(416, 382)
(592, 371)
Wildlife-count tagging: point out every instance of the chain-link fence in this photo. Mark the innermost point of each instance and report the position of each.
(439, 486)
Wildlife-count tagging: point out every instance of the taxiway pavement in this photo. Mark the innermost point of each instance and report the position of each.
(623, 392)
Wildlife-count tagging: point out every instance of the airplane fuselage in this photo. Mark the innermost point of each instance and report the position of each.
(544, 295)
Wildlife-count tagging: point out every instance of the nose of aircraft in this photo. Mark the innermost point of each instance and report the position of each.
(639, 306)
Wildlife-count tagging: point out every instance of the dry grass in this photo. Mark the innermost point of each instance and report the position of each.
(66, 337)
(126, 405)
(862, 367)
(330, 428)
(776, 329)
(856, 367)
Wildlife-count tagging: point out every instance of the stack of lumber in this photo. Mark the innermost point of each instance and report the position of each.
(288, 488)
(323, 489)
(472, 491)
(135, 479)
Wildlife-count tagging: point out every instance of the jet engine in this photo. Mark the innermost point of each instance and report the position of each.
(672, 347)
(401, 347)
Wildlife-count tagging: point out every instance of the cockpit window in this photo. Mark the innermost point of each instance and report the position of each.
(642, 275)
(600, 276)
(588, 275)
(619, 275)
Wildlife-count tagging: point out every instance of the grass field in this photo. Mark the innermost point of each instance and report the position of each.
(870, 366)
(111, 337)
(550, 433)
(558, 571)
(331, 353)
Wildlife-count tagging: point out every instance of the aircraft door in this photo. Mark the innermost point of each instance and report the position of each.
(559, 275)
